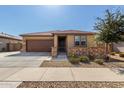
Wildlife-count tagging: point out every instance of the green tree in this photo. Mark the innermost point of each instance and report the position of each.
(110, 28)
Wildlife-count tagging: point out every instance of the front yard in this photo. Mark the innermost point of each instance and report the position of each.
(115, 61)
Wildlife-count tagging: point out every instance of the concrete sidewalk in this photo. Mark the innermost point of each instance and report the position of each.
(58, 74)
(9, 84)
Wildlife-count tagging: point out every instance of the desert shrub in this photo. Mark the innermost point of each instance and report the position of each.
(74, 60)
(99, 56)
(72, 55)
(99, 61)
(121, 54)
(91, 57)
(112, 53)
(84, 59)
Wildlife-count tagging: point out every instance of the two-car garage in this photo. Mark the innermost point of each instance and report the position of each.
(39, 45)
(38, 42)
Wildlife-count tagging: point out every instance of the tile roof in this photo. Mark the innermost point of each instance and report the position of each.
(50, 33)
(4, 35)
(73, 32)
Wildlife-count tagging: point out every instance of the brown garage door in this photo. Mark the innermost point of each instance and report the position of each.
(39, 45)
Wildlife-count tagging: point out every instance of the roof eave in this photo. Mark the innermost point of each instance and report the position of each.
(11, 38)
(34, 35)
(74, 33)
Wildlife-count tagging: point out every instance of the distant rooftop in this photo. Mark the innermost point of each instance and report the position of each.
(9, 36)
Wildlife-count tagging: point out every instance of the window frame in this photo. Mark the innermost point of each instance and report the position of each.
(80, 40)
(75, 40)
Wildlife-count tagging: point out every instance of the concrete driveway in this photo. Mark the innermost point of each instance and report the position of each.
(18, 59)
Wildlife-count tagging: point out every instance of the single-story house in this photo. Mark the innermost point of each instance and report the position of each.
(57, 41)
(9, 42)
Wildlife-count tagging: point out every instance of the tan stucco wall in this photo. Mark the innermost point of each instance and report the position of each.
(70, 41)
(91, 41)
(36, 38)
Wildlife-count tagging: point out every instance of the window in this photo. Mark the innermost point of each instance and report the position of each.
(80, 40)
(83, 40)
(77, 40)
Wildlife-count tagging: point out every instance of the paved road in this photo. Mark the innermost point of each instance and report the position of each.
(17, 59)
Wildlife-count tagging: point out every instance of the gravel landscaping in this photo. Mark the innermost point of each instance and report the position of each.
(70, 84)
(56, 64)
(84, 65)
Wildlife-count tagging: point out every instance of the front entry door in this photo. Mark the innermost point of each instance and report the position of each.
(62, 44)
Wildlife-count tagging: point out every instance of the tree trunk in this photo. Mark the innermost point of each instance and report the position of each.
(112, 47)
(106, 52)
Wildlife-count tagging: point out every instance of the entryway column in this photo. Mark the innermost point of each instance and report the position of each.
(54, 49)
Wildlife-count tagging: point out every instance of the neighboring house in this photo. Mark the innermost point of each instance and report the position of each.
(119, 47)
(57, 41)
(9, 42)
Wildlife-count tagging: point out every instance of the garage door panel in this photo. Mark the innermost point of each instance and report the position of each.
(39, 45)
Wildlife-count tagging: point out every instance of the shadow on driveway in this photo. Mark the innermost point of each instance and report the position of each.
(29, 54)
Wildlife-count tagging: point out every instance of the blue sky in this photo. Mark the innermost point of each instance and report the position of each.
(17, 20)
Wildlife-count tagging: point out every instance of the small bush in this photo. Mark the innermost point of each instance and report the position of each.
(121, 54)
(91, 57)
(72, 55)
(112, 53)
(74, 60)
(84, 59)
(99, 61)
(99, 56)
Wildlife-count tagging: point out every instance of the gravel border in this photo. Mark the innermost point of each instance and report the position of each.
(71, 84)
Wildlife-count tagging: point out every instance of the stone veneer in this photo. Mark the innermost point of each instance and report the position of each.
(54, 51)
(94, 51)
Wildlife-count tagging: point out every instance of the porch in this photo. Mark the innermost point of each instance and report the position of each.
(60, 45)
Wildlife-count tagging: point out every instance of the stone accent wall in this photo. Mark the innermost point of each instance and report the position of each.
(93, 51)
(56, 41)
(54, 52)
